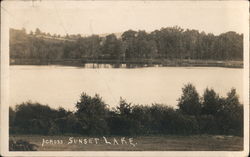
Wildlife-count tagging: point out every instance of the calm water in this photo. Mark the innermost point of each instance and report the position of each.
(62, 85)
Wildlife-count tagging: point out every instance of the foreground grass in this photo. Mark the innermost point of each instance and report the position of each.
(142, 143)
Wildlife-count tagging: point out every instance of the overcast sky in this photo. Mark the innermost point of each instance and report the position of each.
(111, 17)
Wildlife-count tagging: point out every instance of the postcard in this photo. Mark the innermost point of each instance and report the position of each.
(124, 78)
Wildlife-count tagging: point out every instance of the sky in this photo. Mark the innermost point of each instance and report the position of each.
(99, 17)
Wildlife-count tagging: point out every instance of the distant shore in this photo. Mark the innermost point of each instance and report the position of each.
(96, 63)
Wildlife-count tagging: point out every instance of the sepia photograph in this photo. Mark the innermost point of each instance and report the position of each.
(124, 76)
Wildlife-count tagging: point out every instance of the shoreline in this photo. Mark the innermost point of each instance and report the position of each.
(129, 64)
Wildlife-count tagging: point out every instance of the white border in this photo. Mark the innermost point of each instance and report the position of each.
(4, 82)
(5, 95)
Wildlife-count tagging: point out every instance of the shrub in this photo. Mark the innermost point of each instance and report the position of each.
(142, 115)
(21, 145)
(33, 118)
(183, 124)
(230, 119)
(208, 124)
(12, 115)
(73, 124)
(122, 121)
(121, 125)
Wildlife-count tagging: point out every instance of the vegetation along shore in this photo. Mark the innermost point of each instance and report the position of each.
(200, 118)
(170, 46)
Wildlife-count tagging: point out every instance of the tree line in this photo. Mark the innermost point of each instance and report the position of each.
(206, 114)
(166, 43)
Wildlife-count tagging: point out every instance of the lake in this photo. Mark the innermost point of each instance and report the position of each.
(62, 85)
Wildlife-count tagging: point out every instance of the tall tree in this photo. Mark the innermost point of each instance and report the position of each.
(189, 103)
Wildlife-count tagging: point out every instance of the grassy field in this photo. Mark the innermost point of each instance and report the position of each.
(141, 143)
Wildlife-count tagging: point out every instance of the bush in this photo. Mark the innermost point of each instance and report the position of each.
(183, 124)
(33, 118)
(21, 145)
(231, 121)
(122, 121)
(208, 124)
(120, 125)
(142, 115)
(12, 115)
(73, 124)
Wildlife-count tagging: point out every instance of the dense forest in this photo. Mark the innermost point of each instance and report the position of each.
(167, 43)
(206, 114)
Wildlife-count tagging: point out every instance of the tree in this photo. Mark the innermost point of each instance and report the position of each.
(112, 47)
(37, 31)
(121, 122)
(129, 38)
(232, 99)
(124, 108)
(211, 102)
(167, 43)
(230, 117)
(189, 103)
(92, 113)
(31, 33)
